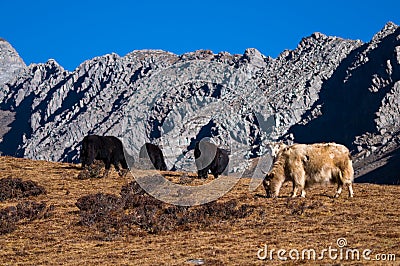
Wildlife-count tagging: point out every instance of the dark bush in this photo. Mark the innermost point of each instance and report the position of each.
(32, 210)
(134, 196)
(16, 188)
(97, 208)
(10, 216)
(132, 188)
(8, 220)
(110, 213)
(93, 171)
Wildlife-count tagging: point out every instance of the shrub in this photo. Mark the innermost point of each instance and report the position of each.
(96, 208)
(16, 188)
(10, 216)
(135, 208)
(93, 171)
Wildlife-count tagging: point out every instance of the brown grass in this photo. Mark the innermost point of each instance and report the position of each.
(370, 220)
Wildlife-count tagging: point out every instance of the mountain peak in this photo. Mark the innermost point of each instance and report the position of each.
(388, 29)
(10, 64)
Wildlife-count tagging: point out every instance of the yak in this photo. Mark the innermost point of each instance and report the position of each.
(108, 149)
(209, 157)
(153, 153)
(307, 164)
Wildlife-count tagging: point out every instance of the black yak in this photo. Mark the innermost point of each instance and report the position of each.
(153, 153)
(108, 149)
(210, 158)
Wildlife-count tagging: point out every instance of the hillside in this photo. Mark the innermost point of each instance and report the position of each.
(327, 89)
(58, 232)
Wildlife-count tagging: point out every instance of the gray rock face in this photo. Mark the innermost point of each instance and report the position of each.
(10, 62)
(327, 89)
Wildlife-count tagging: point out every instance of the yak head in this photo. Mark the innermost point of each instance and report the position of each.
(267, 183)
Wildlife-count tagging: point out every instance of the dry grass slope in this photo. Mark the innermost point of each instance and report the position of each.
(371, 220)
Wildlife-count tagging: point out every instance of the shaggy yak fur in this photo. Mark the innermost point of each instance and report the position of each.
(210, 158)
(276, 147)
(305, 165)
(108, 149)
(154, 154)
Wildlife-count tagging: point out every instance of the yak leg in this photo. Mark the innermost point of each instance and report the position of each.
(296, 188)
(350, 187)
(339, 190)
(108, 166)
(125, 169)
(298, 183)
(123, 172)
(337, 177)
(116, 166)
(106, 173)
(203, 173)
(90, 159)
(294, 192)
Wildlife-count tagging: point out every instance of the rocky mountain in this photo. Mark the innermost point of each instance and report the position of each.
(11, 64)
(327, 89)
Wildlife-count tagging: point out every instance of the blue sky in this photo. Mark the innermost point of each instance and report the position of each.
(73, 31)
